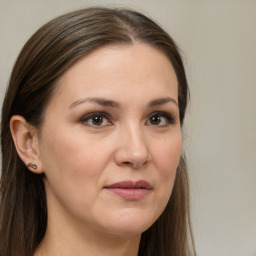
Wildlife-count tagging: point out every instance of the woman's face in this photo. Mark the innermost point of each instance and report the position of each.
(111, 140)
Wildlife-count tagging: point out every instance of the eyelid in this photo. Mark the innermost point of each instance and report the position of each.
(170, 118)
(87, 117)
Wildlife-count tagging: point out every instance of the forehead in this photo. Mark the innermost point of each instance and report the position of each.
(116, 69)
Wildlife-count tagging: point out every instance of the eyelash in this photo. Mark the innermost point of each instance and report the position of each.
(85, 120)
(169, 118)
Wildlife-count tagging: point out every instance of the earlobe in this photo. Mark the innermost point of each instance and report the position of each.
(26, 142)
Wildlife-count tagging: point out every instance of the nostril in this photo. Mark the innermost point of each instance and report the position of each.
(132, 155)
(127, 163)
(135, 164)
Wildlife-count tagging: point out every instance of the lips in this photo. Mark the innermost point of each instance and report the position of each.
(130, 190)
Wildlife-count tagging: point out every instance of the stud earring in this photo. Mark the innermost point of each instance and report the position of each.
(33, 166)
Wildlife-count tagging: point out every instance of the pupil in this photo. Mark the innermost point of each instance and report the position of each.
(155, 120)
(97, 120)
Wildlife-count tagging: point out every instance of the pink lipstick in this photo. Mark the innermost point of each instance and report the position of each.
(130, 190)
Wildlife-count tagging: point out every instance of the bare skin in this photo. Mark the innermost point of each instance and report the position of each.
(113, 118)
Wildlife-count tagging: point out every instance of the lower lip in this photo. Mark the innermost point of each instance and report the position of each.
(130, 194)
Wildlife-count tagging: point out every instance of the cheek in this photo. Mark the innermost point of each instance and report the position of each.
(167, 155)
(72, 153)
(72, 168)
(71, 163)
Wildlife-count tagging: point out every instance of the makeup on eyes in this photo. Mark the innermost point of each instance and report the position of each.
(156, 118)
(102, 119)
(99, 112)
(97, 119)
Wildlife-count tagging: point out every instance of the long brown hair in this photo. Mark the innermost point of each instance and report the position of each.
(44, 58)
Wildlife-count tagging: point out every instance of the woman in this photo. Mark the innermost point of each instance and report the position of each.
(91, 140)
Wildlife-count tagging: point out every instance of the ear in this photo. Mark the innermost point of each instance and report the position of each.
(25, 138)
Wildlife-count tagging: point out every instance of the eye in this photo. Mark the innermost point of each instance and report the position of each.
(97, 119)
(160, 119)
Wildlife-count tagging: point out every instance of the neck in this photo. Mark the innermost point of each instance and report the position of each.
(67, 241)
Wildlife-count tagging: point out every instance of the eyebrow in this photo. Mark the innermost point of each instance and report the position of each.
(99, 101)
(110, 103)
(162, 101)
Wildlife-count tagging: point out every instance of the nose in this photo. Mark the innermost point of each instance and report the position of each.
(132, 148)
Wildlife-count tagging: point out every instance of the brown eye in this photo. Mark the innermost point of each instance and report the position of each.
(96, 120)
(155, 120)
(160, 119)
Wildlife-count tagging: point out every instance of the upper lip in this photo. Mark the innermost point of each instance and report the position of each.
(128, 184)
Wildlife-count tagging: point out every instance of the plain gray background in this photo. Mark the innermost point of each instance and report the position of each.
(218, 39)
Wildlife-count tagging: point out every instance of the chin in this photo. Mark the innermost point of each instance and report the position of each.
(131, 230)
(131, 224)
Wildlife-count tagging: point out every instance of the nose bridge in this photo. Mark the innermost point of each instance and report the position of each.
(136, 139)
(133, 148)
